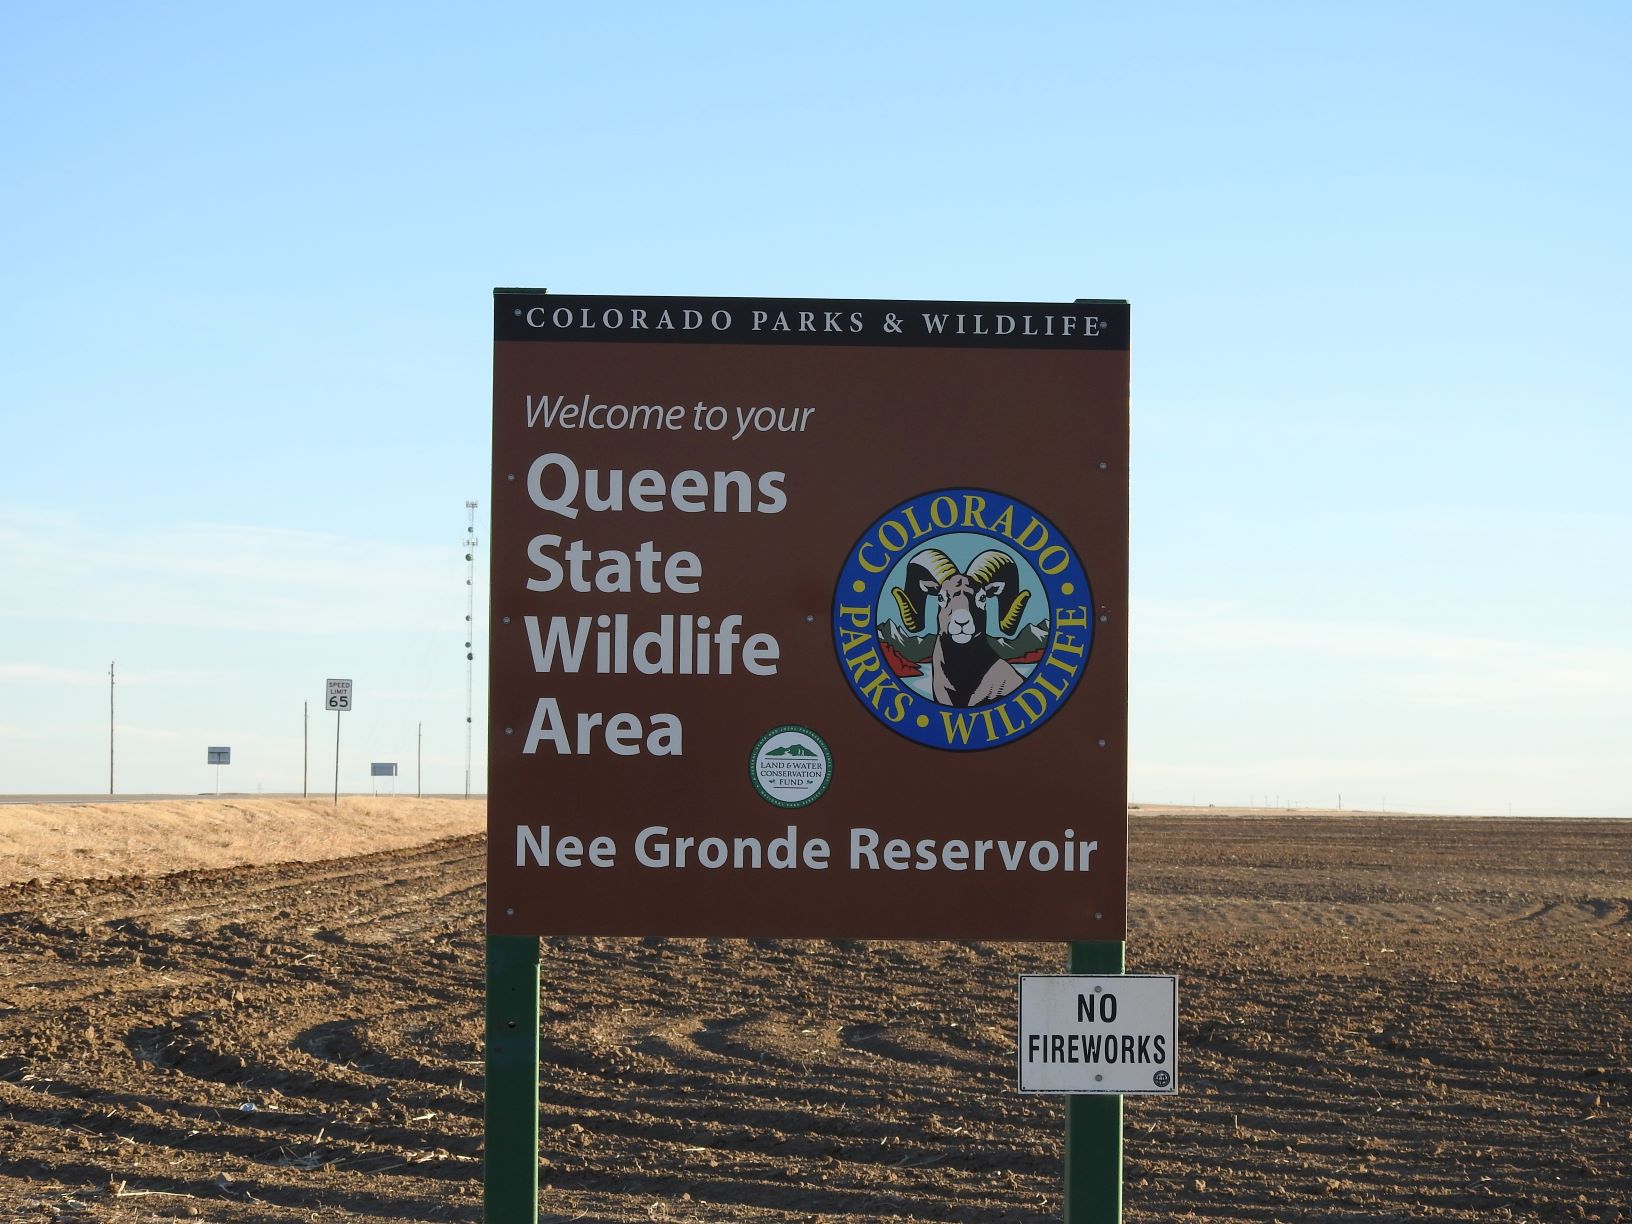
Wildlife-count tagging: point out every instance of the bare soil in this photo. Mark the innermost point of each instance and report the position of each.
(1382, 1018)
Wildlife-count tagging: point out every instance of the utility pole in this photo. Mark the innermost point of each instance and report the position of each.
(110, 728)
(419, 762)
(305, 743)
(470, 627)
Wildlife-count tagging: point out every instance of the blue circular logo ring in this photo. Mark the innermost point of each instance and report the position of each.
(963, 619)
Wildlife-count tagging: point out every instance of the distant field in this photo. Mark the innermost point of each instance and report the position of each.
(48, 838)
(1382, 1018)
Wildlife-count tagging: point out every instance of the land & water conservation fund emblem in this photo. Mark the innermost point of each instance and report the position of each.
(963, 619)
(790, 766)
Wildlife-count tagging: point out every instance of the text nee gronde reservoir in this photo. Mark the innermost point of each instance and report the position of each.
(865, 849)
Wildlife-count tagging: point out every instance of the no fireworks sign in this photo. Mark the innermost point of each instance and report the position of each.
(809, 618)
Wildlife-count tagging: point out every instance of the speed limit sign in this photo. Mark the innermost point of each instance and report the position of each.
(339, 695)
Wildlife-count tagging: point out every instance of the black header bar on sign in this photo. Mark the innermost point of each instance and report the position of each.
(531, 314)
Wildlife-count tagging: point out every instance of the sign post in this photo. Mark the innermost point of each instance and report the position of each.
(337, 696)
(809, 617)
(1093, 1124)
(510, 1104)
(218, 757)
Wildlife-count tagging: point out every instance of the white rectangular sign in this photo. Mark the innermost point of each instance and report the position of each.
(382, 769)
(339, 695)
(1099, 1033)
(219, 756)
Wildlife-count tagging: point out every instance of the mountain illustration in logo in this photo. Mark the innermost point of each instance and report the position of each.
(907, 653)
(792, 750)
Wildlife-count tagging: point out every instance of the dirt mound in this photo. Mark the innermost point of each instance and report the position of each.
(1381, 1018)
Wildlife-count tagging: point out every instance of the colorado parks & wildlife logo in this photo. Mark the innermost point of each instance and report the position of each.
(790, 766)
(963, 619)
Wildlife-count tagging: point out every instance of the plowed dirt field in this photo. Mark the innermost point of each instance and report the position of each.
(1382, 1018)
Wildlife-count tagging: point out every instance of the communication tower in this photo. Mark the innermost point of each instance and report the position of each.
(470, 628)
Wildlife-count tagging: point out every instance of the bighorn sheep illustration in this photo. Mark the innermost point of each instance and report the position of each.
(966, 670)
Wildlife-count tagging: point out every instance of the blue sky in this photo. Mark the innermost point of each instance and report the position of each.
(1377, 259)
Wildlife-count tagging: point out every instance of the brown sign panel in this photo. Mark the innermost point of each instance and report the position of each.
(809, 618)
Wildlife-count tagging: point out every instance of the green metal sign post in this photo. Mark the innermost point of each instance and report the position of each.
(1093, 1124)
(510, 1166)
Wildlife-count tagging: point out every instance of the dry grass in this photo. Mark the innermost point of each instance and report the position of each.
(92, 840)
